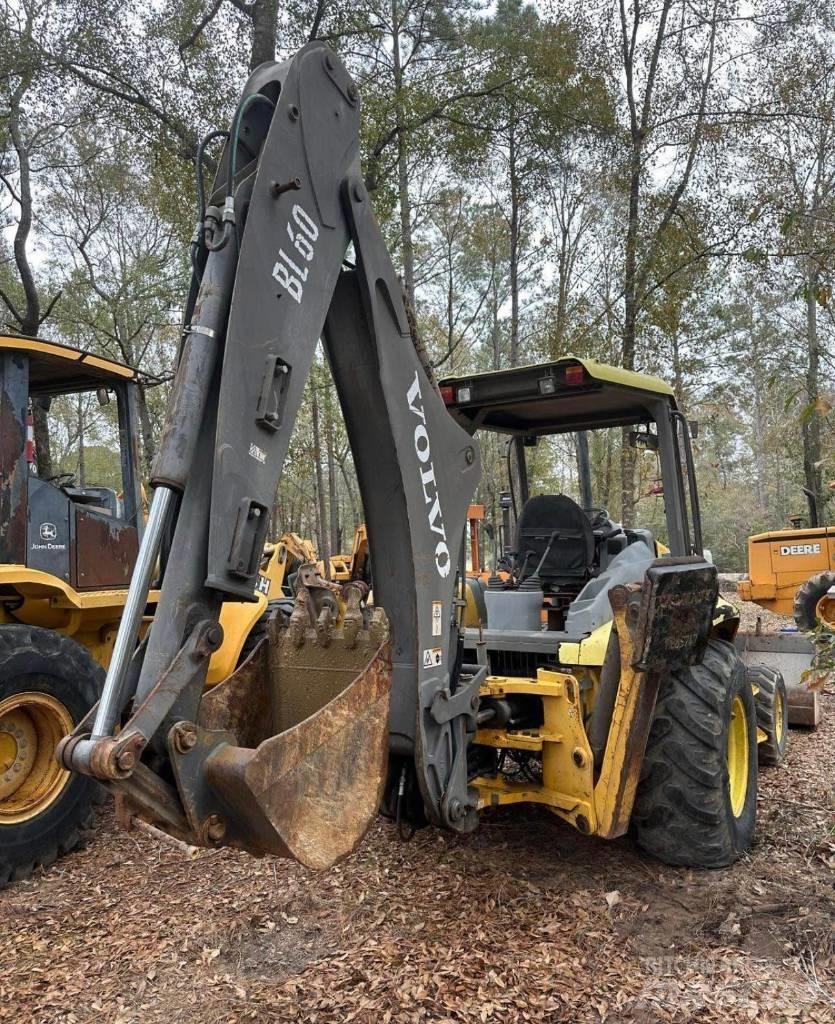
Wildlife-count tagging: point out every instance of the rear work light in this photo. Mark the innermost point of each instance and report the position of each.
(575, 374)
(464, 395)
(547, 386)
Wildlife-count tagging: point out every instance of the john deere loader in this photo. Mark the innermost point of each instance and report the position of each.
(67, 551)
(343, 708)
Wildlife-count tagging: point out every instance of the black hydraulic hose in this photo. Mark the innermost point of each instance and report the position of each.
(201, 153)
(229, 222)
(201, 200)
(251, 100)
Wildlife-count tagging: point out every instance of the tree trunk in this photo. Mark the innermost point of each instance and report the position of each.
(82, 468)
(811, 416)
(333, 492)
(630, 316)
(407, 248)
(514, 249)
(146, 429)
(28, 316)
(264, 24)
(495, 332)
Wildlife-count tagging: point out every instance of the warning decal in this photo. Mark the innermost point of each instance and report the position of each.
(437, 618)
(432, 657)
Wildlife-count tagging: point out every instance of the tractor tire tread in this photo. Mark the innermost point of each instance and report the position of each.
(27, 650)
(807, 596)
(769, 681)
(682, 809)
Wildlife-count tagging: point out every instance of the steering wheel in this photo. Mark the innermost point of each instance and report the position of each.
(600, 519)
(62, 479)
(597, 516)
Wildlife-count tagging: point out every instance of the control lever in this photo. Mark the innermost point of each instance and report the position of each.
(533, 582)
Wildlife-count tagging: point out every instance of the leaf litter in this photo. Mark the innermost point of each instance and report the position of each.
(525, 921)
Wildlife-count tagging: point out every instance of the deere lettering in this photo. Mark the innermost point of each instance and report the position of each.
(800, 549)
(435, 515)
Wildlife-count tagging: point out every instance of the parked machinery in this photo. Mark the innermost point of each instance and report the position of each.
(343, 708)
(67, 550)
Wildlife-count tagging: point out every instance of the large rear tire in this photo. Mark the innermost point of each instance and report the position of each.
(812, 606)
(696, 803)
(48, 683)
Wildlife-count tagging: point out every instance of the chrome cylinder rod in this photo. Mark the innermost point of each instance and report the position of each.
(108, 709)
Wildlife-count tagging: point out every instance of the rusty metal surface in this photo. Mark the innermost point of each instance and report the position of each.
(311, 792)
(105, 551)
(242, 704)
(304, 678)
(289, 754)
(676, 614)
(147, 796)
(803, 707)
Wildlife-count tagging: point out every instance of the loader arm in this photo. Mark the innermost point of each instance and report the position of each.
(269, 280)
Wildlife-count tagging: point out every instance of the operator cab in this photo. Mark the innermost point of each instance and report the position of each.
(560, 551)
(84, 532)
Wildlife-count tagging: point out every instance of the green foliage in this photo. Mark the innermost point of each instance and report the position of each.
(496, 143)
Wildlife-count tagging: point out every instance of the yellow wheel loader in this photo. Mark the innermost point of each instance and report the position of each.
(343, 709)
(67, 550)
(792, 572)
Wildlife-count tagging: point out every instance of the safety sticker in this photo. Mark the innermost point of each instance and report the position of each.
(432, 657)
(257, 453)
(437, 618)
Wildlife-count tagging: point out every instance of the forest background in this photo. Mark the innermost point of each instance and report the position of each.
(647, 183)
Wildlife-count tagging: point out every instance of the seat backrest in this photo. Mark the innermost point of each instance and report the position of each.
(572, 554)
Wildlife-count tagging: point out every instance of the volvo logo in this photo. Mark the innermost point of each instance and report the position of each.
(426, 468)
(49, 531)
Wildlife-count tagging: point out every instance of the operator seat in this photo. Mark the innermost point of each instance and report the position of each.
(571, 557)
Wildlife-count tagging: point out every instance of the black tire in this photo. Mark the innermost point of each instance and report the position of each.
(772, 704)
(806, 600)
(683, 812)
(43, 661)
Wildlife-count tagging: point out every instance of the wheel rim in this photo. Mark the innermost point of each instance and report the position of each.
(31, 725)
(738, 756)
(779, 717)
(825, 611)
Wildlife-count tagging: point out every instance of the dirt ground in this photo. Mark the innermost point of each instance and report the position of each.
(524, 921)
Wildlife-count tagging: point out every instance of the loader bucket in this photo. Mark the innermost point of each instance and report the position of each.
(294, 746)
(790, 654)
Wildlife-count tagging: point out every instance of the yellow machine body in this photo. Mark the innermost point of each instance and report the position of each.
(351, 566)
(91, 617)
(595, 803)
(781, 561)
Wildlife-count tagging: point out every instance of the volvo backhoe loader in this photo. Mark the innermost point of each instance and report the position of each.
(342, 708)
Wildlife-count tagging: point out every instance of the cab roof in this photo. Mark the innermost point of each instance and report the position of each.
(59, 369)
(567, 394)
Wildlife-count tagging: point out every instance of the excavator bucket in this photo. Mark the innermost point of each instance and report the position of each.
(288, 754)
(305, 775)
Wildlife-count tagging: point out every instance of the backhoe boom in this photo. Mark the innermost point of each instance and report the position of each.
(269, 280)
